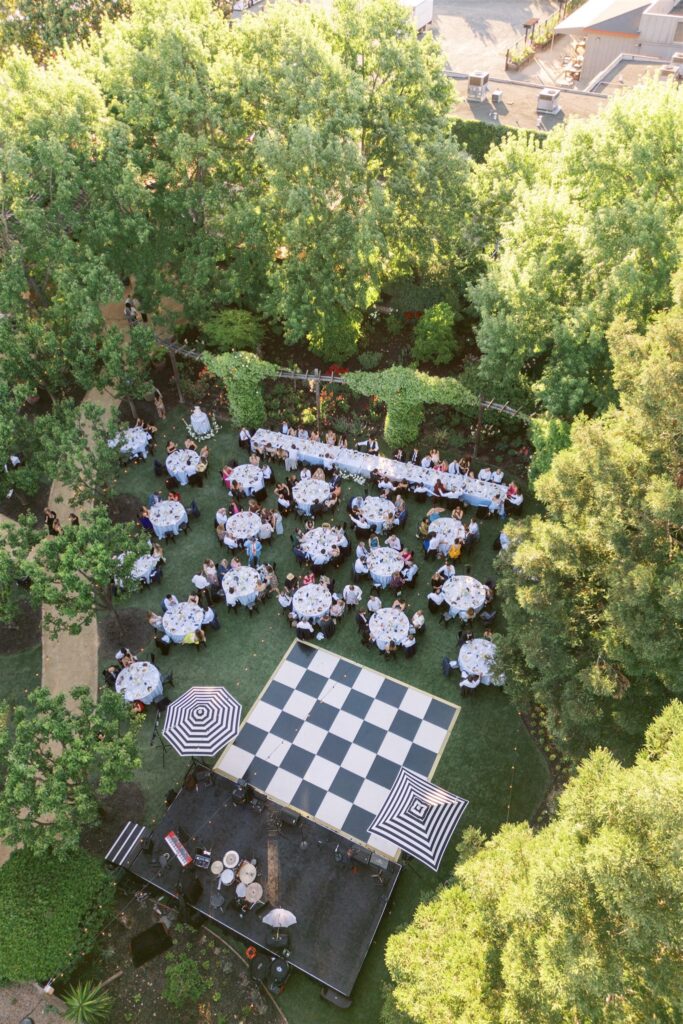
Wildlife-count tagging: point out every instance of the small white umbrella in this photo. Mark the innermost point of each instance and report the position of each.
(279, 918)
(202, 721)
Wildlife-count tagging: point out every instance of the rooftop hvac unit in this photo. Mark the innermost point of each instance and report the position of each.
(477, 85)
(548, 101)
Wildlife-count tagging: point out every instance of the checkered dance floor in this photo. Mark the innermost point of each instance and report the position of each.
(328, 738)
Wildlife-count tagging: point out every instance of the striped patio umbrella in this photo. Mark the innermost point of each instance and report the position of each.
(419, 817)
(202, 721)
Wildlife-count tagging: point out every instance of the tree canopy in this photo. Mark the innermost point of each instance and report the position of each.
(592, 589)
(580, 921)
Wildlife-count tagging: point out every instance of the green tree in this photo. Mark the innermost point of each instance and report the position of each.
(126, 363)
(580, 921)
(592, 589)
(57, 761)
(52, 912)
(72, 574)
(582, 238)
(434, 340)
(242, 374)
(71, 446)
(42, 26)
(232, 329)
(405, 392)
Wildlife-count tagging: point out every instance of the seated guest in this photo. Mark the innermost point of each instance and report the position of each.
(396, 582)
(374, 603)
(409, 645)
(418, 621)
(484, 474)
(393, 542)
(497, 476)
(173, 496)
(171, 447)
(170, 601)
(144, 521)
(304, 629)
(399, 604)
(190, 445)
(435, 599)
(326, 626)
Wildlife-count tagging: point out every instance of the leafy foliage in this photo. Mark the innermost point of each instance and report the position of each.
(243, 374)
(405, 392)
(87, 1003)
(185, 982)
(52, 911)
(57, 760)
(232, 329)
(577, 922)
(435, 341)
(42, 26)
(586, 238)
(478, 137)
(72, 574)
(592, 591)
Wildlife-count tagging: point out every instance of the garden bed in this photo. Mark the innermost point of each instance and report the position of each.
(201, 980)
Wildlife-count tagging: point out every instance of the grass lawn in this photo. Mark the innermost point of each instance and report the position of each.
(490, 759)
(19, 674)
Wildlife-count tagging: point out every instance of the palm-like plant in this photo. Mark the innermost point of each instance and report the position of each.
(87, 1003)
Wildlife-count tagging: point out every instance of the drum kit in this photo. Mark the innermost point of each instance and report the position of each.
(232, 868)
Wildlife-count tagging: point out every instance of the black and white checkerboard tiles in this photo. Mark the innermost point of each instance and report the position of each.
(328, 737)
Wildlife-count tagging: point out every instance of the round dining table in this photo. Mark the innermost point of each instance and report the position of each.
(167, 517)
(308, 493)
(311, 602)
(133, 441)
(140, 681)
(378, 512)
(477, 657)
(243, 526)
(389, 624)
(382, 564)
(182, 619)
(182, 464)
(317, 543)
(463, 593)
(448, 530)
(249, 477)
(143, 567)
(243, 583)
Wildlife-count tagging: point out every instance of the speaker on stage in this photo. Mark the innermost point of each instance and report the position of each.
(148, 944)
(191, 887)
(287, 818)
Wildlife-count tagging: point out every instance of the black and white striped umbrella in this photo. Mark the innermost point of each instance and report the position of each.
(419, 817)
(202, 721)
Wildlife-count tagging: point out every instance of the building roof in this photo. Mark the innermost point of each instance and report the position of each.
(625, 72)
(518, 106)
(618, 17)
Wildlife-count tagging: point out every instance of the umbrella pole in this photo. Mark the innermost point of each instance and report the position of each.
(156, 735)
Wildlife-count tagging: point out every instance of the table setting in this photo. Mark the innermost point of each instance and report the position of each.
(140, 681)
(311, 602)
(476, 658)
(167, 517)
(307, 493)
(182, 464)
(143, 568)
(378, 512)
(243, 526)
(463, 593)
(448, 530)
(243, 582)
(182, 619)
(132, 441)
(317, 543)
(389, 624)
(250, 478)
(382, 564)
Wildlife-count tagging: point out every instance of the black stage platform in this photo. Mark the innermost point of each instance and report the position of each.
(338, 900)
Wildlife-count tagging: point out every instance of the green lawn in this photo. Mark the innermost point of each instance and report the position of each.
(19, 674)
(489, 759)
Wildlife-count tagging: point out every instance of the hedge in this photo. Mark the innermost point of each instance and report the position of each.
(477, 137)
(51, 913)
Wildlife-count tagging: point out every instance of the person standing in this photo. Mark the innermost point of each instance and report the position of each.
(159, 404)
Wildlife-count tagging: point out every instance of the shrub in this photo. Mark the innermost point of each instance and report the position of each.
(233, 329)
(434, 339)
(184, 982)
(51, 912)
(87, 1003)
(369, 360)
(242, 374)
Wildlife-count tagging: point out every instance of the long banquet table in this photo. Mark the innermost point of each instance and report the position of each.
(473, 492)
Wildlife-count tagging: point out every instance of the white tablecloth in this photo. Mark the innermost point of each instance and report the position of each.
(447, 530)
(389, 624)
(200, 422)
(378, 511)
(133, 441)
(463, 593)
(382, 563)
(140, 681)
(311, 601)
(143, 568)
(167, 517)
(318, 543)
(476, 658)
(244, 582)
(243, 525)
(307, 492)
(474, 492)
(250, 478)
(182, 464)
(184, 618)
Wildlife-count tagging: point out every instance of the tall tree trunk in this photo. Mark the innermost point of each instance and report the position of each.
(133, 410)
